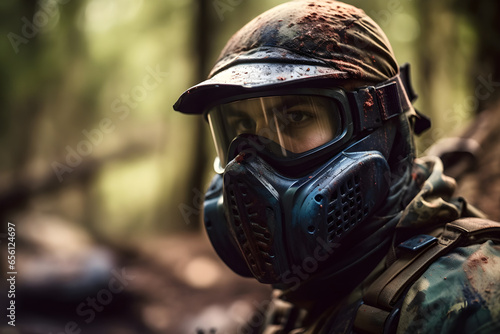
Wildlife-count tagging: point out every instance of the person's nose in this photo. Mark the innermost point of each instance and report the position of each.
(261, 127)
(267, 129)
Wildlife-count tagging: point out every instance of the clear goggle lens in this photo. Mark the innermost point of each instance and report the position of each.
(297, 123)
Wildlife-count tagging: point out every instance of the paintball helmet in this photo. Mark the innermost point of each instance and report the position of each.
(312, 121)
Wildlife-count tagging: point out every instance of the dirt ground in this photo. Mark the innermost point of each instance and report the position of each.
(166, 284)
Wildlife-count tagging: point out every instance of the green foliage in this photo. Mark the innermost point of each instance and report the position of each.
(92, 61)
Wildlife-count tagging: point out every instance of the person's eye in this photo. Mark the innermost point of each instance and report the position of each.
(297, 117)
(243, 125)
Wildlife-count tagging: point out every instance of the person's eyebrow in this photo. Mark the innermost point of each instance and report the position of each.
(289, 103)
(231, 112)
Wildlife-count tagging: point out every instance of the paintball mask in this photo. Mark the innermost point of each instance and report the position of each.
(297, 171)
(302, 163)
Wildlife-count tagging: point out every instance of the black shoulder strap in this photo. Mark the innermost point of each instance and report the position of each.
(379, 313)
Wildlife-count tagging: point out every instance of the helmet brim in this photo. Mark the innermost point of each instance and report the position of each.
(249, 78)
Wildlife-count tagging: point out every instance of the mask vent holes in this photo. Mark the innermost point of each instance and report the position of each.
(251, 261)
(249, 220)
(346, 208)
(234, 208)
(343, 190)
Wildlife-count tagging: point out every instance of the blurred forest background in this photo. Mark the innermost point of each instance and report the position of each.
(102, 177)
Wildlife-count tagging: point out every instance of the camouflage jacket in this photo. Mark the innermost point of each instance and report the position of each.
(458, 293)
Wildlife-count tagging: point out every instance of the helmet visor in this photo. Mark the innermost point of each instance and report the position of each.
(297, 123)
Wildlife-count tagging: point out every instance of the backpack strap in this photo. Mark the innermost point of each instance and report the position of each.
(380, 312)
